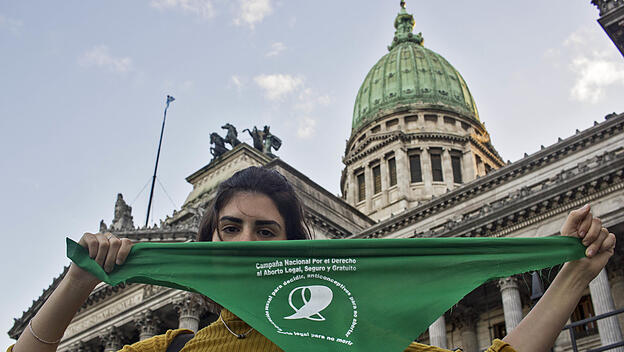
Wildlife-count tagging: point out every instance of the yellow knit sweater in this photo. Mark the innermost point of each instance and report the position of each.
(216, 338)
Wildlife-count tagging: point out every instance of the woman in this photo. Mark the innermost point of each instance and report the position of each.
(258, 204)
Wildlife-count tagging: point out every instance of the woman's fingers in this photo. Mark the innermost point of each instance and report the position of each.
(594, 245)
(89, 241)
(106, 249)
(609, 243)
(585, 225)
(577, 221)
(114, 244)
(593, 232)
(124, 250)
(102, 249)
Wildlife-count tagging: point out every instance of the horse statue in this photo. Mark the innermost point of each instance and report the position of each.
(219, 145)
(231, 137)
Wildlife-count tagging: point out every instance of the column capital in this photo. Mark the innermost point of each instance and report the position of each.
(81, 346)
(507, 283)
(464, 317)
(190, 304)
(112, 338)
(147, 322)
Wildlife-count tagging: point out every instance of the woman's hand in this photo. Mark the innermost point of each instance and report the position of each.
(50, 322)
(599, 243)
(539, 329)
(106, 249)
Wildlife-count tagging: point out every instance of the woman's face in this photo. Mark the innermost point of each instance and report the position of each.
(249, 217)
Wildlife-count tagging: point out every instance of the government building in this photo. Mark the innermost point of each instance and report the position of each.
(418, 163)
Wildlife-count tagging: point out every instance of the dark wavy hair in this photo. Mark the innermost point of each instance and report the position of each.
(257, 180)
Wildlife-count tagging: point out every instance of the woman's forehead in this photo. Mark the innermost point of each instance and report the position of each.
(251, 205)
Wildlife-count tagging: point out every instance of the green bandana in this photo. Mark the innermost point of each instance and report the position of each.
(335, 295)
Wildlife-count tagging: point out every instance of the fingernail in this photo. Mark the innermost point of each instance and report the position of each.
(590, 252)
(118, 262)
(585, 206)
(581, 234)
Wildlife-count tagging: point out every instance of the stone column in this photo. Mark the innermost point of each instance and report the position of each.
(403, 175)
(608, 328)
(447, 168)
(616, 277)
(465, 319)
(385, 181)
(112, 339)
(469, 169)
(190, 307)
(147, 322)
(437, 333)
(512, 305)
(425, 167)
(368, 182)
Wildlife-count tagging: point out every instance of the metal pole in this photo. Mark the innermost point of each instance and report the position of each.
(162, 130)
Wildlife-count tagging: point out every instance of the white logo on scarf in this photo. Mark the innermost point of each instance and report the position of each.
(320, 297)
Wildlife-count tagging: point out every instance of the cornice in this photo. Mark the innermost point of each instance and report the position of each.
(333, 230)
(388, 137)
(568, 190)
(614, 125)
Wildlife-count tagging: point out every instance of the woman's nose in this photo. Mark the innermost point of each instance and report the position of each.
(247, 234)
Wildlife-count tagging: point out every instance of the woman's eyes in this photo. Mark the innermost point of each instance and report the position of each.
(230, 229)
(266, 233)
(233, 230)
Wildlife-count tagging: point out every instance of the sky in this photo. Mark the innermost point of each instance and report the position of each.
(83, 86)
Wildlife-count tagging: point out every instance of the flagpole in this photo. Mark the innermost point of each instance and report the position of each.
(162, 130)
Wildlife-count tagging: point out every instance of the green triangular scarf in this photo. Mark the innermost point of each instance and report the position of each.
(335, 295)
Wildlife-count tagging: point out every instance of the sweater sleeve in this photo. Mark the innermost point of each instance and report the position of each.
(157, 343)
(497, 346)
(500, 346)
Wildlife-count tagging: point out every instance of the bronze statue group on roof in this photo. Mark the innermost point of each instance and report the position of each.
(263, 140)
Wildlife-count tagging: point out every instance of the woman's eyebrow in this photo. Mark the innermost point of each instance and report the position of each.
(267, 222)
(232, 219)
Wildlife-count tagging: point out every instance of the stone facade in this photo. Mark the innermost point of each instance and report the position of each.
(527, 198)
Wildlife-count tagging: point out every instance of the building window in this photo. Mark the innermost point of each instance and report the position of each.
(392, 175)
(376, 179)
(415, 171)
(436, 166)
(361, 187)
(584, 310)
(392, 123)
(456, 164)
(499, 330)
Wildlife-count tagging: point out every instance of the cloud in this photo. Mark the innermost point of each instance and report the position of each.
(307, 127)
(99, 56)
(200, 8)
(594, 62)
(237, 82)
(276, 49)
(308, 100)
(11, 24)
(251, 12)
(595, 73)
(278, 85)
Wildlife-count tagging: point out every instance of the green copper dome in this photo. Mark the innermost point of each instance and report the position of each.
(411, 75)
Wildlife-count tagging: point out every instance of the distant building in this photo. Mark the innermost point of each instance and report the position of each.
(612, 20)
(418, 163)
